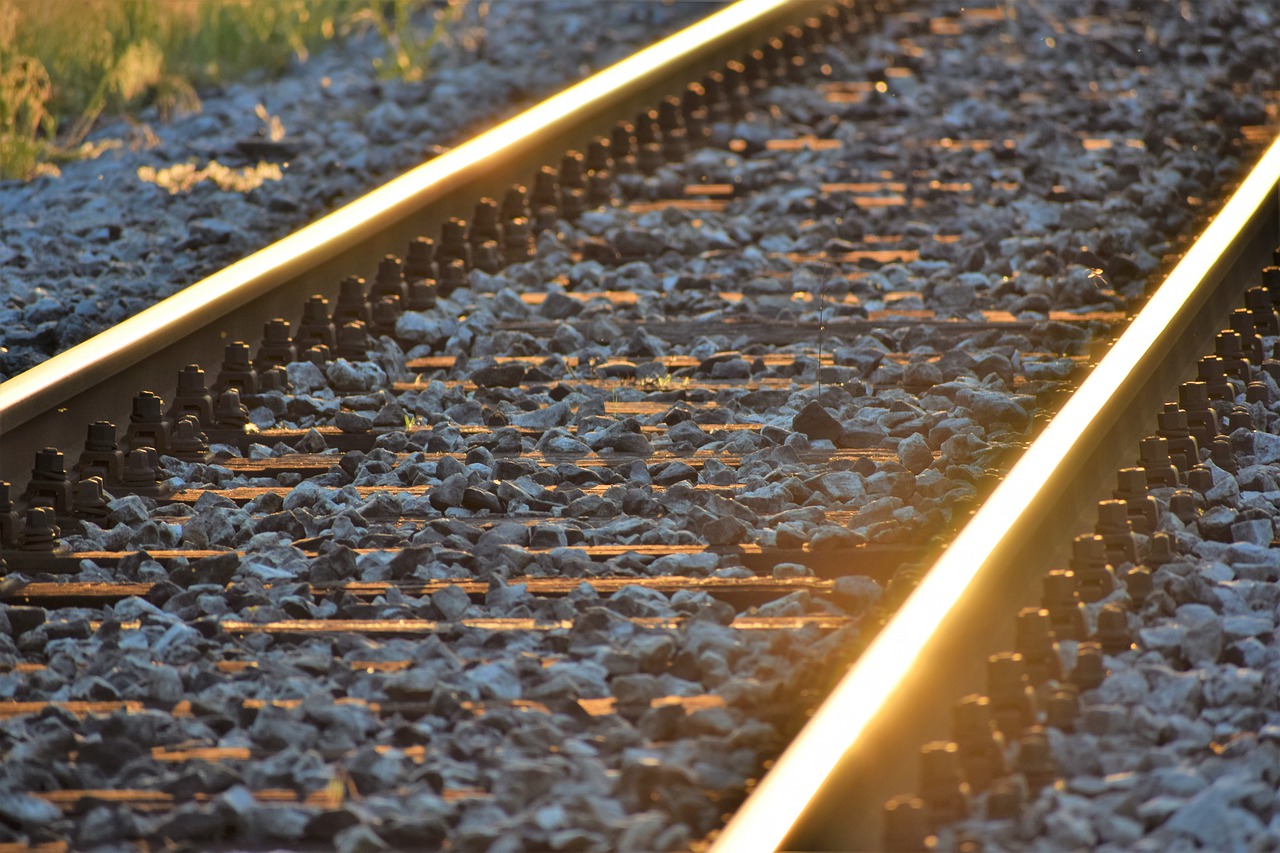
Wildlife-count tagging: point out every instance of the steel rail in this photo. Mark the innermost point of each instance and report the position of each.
(51, 404)
(827, 789)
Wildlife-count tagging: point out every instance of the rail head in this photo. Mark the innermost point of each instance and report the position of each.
(238, 299)
(863, 740)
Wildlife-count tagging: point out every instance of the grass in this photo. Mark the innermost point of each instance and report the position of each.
(65, 63)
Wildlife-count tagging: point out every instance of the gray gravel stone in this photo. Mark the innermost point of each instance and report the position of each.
(328, 163)
(1202, 640)
(914, 453)
(1141, 719)
(817, 423)
(555, 415)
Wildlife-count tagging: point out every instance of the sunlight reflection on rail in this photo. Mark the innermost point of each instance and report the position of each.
(865, 692)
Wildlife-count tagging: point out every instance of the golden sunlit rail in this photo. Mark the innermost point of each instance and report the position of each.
(859, 748)
(548, 498)
(231, 303)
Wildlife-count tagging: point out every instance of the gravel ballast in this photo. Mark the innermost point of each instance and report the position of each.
(1174, 744)
(991, 263)
(107, 238)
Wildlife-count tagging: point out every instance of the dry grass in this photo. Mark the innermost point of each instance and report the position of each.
(64, 63)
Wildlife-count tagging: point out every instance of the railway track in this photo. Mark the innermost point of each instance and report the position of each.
(598, 485)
